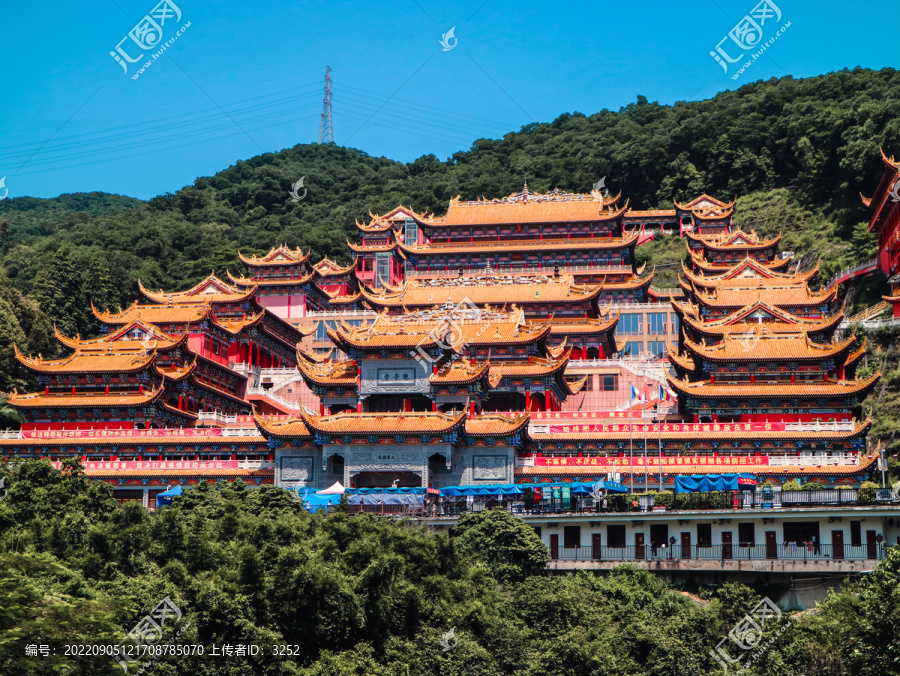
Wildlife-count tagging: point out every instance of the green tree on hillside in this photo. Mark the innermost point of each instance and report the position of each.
(511, 549)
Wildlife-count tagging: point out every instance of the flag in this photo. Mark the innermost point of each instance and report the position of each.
(663, 394)
(635, 394)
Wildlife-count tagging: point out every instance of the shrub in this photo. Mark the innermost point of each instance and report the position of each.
(866, 495)
(665, 499)
(792, 485)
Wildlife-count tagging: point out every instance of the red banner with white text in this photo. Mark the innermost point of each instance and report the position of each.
(160, 465)
(650, 461)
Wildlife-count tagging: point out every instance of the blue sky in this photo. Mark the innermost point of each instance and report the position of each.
(247, 77)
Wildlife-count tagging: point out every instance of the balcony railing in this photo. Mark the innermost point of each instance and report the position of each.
(216, 417)
(332, 314)
(243, 369)
(733, 552)
(726, 501)
(521, 269)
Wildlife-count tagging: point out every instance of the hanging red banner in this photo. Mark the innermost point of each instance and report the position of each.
(117, 434)
(651, 429)
(639, 461)
(156, 465)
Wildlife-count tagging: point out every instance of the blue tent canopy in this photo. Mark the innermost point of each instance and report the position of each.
(613, 487)
(385, 491)
(312, 502)
(701, 483)
(581, 487)
(485, 490)
(377, 498)
(165, 499)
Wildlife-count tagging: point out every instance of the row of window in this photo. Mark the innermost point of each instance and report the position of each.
(657, 323)
(659, 535)
(635, 348)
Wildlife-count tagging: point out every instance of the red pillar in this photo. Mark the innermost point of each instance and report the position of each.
(471, 407)
(527, 400)
(321, 408)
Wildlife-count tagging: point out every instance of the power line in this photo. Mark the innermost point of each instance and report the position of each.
(326, 131)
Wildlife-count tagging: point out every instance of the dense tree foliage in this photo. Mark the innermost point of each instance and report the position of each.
(511, 550)
(370, 596)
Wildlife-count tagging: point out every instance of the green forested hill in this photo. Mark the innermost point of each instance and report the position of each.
(363, 595)
(796, 152)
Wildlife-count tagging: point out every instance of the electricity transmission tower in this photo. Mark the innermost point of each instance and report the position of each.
(326, 132)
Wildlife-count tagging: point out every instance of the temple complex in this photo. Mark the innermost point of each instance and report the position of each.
(472, 348)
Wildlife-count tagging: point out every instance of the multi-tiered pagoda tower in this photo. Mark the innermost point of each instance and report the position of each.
(570, 233)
